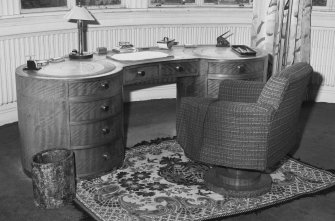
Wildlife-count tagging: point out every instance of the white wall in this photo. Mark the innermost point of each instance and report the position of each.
(47, 35)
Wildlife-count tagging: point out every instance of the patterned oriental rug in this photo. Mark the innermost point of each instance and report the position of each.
(157, 182)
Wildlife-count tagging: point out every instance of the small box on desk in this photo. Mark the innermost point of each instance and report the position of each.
(101, 50)
(243, 50)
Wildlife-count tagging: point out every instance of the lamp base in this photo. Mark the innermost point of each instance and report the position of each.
(80, 56)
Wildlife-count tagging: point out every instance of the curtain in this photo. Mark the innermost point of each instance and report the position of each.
(283, 29)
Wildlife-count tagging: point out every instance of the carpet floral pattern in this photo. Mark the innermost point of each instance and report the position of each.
(158, 182)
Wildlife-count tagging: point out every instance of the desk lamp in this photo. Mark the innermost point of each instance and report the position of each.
(82, 17)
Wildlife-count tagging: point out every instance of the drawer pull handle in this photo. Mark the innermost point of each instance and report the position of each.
(104, 85)
(105, 108)
(106, 156)
(141, 73)
(105, 131)
(241, 68)
(179, 68)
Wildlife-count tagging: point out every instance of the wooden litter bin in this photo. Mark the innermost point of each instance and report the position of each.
(53, 177)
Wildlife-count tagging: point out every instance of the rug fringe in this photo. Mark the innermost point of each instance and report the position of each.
(260, 210)
(86, 215)
(303, 162)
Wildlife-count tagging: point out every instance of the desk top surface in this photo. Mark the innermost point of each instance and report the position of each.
(102, 65)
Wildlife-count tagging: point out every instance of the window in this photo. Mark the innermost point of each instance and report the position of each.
(171, 2)
(228, 2)
(323, 5)
(98, 2)
(174, 3)
(30, 4)
(319, 2)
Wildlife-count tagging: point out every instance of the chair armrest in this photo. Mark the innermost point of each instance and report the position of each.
(193, 109)
(196, 101)
(240, 91)
(241, 109)
(189, 123)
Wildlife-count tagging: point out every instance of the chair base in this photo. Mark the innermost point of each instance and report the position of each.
(237, 183)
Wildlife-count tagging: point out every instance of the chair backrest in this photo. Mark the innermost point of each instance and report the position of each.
(286, 89)
(285, 93)
(298, 76)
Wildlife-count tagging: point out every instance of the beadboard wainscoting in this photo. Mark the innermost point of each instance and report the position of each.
(9, 8)
(16, 48)
(322, 61)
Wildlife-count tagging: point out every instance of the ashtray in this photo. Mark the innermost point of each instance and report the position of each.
(243, 50)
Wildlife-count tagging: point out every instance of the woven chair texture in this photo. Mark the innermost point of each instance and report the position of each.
(252, 125)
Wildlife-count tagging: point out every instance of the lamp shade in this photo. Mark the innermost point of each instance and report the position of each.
(79, 13)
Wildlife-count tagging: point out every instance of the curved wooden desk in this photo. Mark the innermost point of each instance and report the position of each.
(78, 104)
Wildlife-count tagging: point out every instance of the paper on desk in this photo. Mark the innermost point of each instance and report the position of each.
(138, 56)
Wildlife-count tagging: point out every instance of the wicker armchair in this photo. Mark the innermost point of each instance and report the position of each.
(248, 129)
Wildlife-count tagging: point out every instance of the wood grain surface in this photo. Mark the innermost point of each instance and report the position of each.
(99, 159)
(97, 109)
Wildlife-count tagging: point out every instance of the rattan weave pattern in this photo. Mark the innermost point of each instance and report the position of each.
(240, 90)
(250, 125)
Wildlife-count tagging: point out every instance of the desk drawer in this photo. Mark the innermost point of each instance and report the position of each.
(233, 68)
(84, 111)
(97, 88)
(140, 74)
(99, 132)
(179, 69)
(96, 160)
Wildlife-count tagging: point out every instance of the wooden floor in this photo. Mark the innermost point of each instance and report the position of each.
(151, 119)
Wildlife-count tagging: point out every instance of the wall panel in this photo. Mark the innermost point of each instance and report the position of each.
(322, 56)
(9, 7)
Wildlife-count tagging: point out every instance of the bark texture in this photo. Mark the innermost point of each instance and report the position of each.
(53, 177)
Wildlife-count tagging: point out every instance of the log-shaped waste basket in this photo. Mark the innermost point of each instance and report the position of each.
(53, 176)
